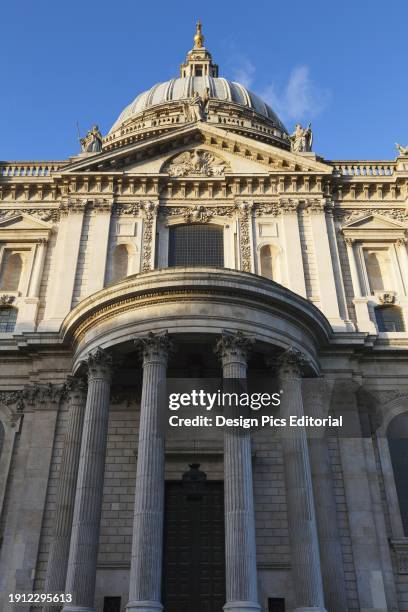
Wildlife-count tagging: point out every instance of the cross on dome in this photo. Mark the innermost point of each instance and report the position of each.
(199, 60)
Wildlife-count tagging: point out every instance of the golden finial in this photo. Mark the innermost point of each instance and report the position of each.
(198, 38)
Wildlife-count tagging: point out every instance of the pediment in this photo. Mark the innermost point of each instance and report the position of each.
(22, 222)
(149, 156)
(374, 222)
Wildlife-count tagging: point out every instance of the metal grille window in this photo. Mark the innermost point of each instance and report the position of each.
(389, 319)
(8, 318)
(196, 245)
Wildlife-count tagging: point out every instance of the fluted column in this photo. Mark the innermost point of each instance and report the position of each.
(305, 558)
(317, 403)
(59, 549)
(240, 545)
(147, 543)
(88, 501)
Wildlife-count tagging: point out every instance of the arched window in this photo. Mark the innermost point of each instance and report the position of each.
(269, 256)
(196, 245)
(11, 269)
(8, 318)
(397, 435)
(389, 319)
(120, 263)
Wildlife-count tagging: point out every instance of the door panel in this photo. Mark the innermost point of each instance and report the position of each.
(194, 566)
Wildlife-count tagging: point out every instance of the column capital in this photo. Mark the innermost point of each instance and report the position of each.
(37, 395)
(291, 363)
(76, 388)
(154, 347)
(99, 364)
(234, 345)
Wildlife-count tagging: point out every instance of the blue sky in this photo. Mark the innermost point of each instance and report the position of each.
(342, 65)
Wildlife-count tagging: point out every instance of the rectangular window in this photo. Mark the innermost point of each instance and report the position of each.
(276, 604)
(196, 245)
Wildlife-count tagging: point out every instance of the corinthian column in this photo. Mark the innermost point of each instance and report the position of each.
(59, 550)
(304, 544)
(88, 501)
(240, 546)
(147, 543)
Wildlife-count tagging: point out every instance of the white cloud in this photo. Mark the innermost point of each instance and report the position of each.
(300, 98)
(243, 70)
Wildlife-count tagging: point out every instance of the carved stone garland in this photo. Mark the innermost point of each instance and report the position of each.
(244, 210)
(149, 216)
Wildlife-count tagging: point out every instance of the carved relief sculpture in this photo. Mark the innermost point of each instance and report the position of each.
(196, 163)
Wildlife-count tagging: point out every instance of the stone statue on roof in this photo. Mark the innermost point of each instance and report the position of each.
(302, 139)
(92, 142)
(402, 150)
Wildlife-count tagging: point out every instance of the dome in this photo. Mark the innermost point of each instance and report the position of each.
(183, 88)
(198, 94)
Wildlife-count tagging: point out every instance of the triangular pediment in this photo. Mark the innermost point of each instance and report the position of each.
(374, 222)
(23, 222)
(241, 154)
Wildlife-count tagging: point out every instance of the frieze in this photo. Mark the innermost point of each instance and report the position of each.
(42, 214)
(189, 211)
(132, 208)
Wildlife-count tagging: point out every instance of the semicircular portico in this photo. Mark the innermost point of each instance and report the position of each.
(193, 302)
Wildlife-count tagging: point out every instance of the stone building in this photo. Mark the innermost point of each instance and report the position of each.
(199, 222)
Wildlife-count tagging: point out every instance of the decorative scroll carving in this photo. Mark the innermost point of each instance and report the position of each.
(73, 205)
(244, 210)
(128, 209)
(102, 205)
(6, 300)
(271, 209)
(185, 211)
(198, 214)
(387, 298)
(196, 163)
(149, 215)
(14, 403)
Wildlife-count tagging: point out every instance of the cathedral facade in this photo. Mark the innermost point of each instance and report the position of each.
(200, 240)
